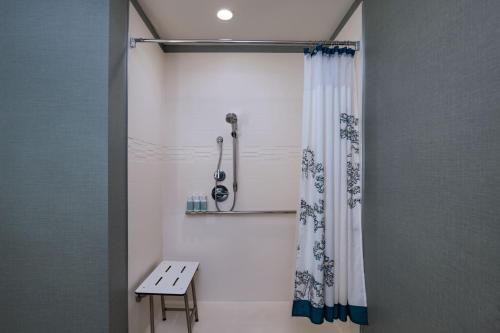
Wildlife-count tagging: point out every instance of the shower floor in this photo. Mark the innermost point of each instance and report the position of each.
(248, 317)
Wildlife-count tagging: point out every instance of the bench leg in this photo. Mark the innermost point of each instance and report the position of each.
(194, 301)
(188, 318)
(163, 309)
(151, 314)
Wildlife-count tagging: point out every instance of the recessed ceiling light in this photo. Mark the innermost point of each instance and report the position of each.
(225, 14)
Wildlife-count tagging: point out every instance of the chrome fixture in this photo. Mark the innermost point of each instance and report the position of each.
(220, 192)
(232, 119)
(219, 175)
(243, 212)
(211, 42)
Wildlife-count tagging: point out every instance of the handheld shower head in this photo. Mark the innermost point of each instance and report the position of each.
(232, 119)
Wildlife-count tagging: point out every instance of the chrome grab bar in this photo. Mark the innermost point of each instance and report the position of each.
(241, 212)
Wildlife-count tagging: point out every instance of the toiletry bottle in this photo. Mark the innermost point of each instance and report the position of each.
(203, 203)
(190, 204)
(196, 202)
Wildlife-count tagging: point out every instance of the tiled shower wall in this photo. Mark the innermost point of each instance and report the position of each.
(146, 103)
(243, 258)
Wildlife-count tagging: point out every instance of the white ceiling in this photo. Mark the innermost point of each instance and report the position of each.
(253, 19)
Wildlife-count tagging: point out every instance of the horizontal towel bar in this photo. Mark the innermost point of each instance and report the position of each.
(241, 212)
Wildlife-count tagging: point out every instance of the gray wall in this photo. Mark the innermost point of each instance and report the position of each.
(432, 124)
(63, 166)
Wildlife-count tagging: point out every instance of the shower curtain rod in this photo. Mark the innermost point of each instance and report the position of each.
(212, 42)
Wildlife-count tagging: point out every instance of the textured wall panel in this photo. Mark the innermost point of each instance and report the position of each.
(117, 165)
(57, 224)
(432, 119)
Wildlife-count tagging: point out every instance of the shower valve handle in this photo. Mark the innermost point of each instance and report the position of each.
(219, 175)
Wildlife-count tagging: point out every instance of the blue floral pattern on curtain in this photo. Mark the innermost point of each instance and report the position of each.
(329, 276)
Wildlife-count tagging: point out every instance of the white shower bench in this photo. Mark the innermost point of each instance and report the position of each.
(170, 278)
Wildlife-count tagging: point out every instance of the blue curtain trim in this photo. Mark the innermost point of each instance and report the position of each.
(304, 308)
(329, 51)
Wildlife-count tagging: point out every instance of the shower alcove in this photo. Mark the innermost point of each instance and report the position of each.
(177, 102)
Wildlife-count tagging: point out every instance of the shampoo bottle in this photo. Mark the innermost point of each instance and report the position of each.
(203, 203)
(197, 203)
(190, 204)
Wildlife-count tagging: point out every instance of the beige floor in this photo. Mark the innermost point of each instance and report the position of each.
(248, 317)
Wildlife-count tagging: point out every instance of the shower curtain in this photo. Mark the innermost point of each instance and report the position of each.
(329, 276)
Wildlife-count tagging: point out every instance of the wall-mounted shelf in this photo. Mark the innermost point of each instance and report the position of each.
(242, 212)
